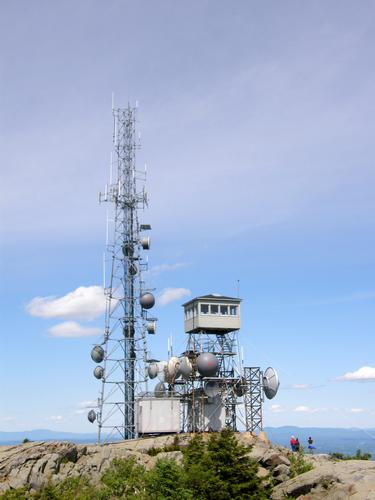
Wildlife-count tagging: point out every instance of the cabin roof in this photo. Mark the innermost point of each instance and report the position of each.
(213, 298)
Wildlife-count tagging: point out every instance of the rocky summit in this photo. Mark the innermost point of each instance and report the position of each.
(34, 464)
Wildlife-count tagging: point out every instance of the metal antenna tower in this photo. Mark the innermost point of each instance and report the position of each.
(123, 352)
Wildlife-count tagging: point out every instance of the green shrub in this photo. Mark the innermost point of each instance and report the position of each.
(72, 488)
(358, 456)
(18, 494)
(167, 480)
(124, 478)
(175, 446)
(298, 464)
(222, 469)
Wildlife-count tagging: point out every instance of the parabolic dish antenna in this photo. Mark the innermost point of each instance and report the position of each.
(162, 368)
(185, 367)
(270, 382)
(174, 367)
(211, 388)
(97, 354)
(207, 364)
(91, 416)
(98, 372)
(152, 370)
(159, 390)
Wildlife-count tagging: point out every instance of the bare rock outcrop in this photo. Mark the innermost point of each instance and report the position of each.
(34, 464)
(353, 479)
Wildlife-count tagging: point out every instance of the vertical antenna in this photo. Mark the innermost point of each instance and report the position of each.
(111, 169)
(123, 351)
(104, 277)
(238, 289)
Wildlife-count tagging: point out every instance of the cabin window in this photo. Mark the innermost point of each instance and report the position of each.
(224, 310)
(214, 309)
(233, 310)
(204, 308)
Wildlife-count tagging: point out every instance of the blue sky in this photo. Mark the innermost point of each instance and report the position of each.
(257, 129)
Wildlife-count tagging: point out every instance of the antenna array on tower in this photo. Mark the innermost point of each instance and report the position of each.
(122, 354)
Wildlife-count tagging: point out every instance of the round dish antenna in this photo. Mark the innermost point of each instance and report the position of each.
(162, 368)
(91, 416)
(174, 367)
(186, 368)
(270, 382)
(151, 327)
(159, 390)
(98, 372)
(97, 354)
(207, 364)
(146, 243)
(152, 370)
(147, 300)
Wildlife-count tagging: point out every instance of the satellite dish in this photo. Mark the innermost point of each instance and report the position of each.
(159, 390)
(162, 368)
(91, 416)
(98, 372)
(152, 370)
(211, 388)
(133, 269)
(97, 354)
(270, 382)
(186, 368)
(174, 367)
(151, 327)
(146, 243)
(207, 364)
(147, 300)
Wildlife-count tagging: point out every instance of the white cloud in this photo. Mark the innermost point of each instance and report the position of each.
(88, 404)
(350, 297)
(6, 419)
(55, 418)
(363, 373)
(305, 409)
(276, 409)
(86, 302)
(71, 329)
(161, 268)
(169, 295)
(301, 386)
(84, 405)
(357, 410)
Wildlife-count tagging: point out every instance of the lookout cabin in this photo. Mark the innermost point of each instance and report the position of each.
(212, 314)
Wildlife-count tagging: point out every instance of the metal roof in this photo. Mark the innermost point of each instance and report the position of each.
(213, 297)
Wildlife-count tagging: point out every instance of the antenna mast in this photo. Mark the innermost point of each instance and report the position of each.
(123, 351)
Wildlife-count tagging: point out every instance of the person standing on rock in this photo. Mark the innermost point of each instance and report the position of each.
(297, 445)
(311, 446)
(293, 443)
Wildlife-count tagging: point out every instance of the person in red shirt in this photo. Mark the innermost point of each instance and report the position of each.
(293, 443)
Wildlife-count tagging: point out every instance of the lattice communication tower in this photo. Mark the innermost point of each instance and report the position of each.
(121, 356)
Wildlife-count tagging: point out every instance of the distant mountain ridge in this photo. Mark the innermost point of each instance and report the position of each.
(326, 439)
(46, 435)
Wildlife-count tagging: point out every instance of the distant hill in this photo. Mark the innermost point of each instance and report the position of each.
(46, 435)
(326, 439)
